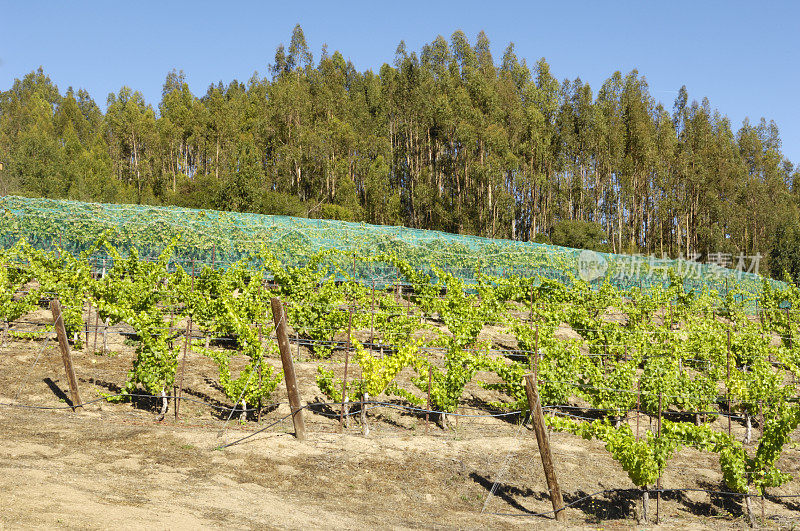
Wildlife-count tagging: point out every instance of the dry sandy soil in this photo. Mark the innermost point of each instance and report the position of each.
(116, 466)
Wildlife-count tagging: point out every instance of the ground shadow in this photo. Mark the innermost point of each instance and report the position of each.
(224, 411)
(791, 505)
(141, 399)
(615, 504)
(508, 493)
(721, 500)
(58, 392)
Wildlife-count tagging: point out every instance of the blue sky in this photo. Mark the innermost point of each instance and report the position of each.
(742, 55)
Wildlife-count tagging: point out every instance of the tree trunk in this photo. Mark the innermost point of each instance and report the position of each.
(364, 425)
(164, 404)
(748, 503)
(645, 503)
(748, 435)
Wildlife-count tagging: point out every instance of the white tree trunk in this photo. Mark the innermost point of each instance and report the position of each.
(364, 425)
(748, 436)
(645, 503)
(748, 503)
(164, 404)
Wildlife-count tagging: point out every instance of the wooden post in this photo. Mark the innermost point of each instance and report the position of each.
(58, 321)
(86, 323)
(658, 481)
(728, 383)
(638, 405)
(530, 318)
(428, 403)
(789, 327)
(279, 316)
(372, 318)
(96, 327)
(346, 362)
(536, 355)
(179, 392)
(544, 447)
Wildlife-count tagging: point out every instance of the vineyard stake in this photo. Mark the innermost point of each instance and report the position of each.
(728, 383)
(66, 356)
(279, 316)
(96, 327)
(346, 361)
(428, 403)
(544, 447)
(531, 314)
(536, 355)
(258, 369)
(183, 366)
(88, 318)
(638, 405)
(789, 327)
(372, 318)
(658, 481)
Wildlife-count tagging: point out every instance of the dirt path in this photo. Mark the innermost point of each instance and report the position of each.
(94, 469)
(114, 466)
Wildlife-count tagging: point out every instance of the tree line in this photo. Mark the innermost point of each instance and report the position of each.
(447, 139)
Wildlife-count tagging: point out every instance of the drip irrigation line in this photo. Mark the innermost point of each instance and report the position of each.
(638, 491)
(140, 395)
(36, 361)
(227, 445)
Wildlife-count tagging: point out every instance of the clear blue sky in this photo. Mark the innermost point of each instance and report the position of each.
(742, 55)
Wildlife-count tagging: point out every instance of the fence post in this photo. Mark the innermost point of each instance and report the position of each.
(728, 383)
(658, 481)
(88, 319)
(789, 327)
(428, 402)
(372, 318)
(346, 362)
(638, 405)
(544, 447)
(279, 316)
(179, 392)
(96, 327)
(536, 355)
(66, 356)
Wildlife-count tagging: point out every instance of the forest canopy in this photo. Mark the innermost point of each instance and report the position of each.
(447, 138)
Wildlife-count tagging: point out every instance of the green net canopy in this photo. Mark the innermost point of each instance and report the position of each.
(218, 239)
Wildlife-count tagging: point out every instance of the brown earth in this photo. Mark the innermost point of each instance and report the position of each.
(116, 466)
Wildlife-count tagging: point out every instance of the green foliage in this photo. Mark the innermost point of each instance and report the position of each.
(316, 302)
(377, 374)
(136, 292)
(579, 235)
(13, 279)
(644, 460)
(784, 257)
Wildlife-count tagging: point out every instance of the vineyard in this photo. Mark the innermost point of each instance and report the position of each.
(222, 239)
(642, 372)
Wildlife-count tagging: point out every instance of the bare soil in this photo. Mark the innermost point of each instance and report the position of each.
(117, 466)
